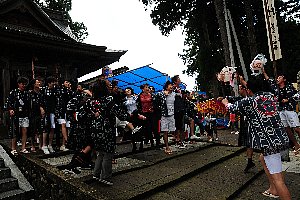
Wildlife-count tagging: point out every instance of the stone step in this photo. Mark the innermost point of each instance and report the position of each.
(5, 173)
(17, 194)
(129, 161)
(8, 184)
(221, 181)
(2, 164)
(142, 182)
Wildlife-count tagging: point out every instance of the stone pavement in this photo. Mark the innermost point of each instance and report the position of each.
(292, 179)
(294, 165)
(205, 167)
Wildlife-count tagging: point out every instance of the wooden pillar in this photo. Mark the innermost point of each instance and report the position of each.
(5, 79)
(298, 88)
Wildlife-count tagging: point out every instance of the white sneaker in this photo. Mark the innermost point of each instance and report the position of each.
(63, 148)
(194, 137)
(109, 183)
(237, 132)
(232, 132)
(136, 129)
(182, 146)
(45, 150)
(50, 148)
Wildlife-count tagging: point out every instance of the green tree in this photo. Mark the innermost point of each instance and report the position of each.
(78, 28)
(204, 26)
(204, 55)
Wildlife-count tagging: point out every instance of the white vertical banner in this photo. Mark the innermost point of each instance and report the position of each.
(272, 29)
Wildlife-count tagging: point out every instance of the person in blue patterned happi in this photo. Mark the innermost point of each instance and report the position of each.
(266, 133)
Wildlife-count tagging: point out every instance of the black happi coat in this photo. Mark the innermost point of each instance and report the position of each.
(49, 97)
(190, 108)
(63, 96)
(102, 128)
(19, 102)
(161, 100)
(79, 135)
(36, 121)
(287, 92)
(265, 129)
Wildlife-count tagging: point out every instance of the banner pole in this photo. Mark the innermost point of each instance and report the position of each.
(270, 37)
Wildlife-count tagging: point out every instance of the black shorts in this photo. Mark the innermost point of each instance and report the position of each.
(187, 120)
(179, 121)
(35, 126)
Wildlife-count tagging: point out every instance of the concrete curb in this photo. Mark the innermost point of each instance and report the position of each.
(15, 172)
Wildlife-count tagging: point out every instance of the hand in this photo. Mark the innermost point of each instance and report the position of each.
(11, 112)
(219, 98)
(142, 117)
(284, 100)
(225, 101)
(42, 111)
(97, 114)
(88, 92)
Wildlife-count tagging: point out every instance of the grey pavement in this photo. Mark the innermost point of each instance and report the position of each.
(194, 184)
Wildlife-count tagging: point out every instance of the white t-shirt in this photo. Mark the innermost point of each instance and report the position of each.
(170, 103)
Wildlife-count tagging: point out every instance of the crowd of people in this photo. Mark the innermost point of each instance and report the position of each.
(87, 119)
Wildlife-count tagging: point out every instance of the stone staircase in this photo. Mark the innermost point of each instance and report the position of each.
(215, 169)
(13, 184)
(217, 172)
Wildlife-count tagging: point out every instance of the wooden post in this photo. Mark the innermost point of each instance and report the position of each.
(232, 62)
(32, 67)
(238, 47)
(270, 38)
(298, 87)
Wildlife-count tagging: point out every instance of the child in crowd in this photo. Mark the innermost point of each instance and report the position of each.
(211, 125)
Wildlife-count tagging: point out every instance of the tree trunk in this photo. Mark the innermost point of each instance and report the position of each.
(219, 6)
(203, 22)
(251, 31)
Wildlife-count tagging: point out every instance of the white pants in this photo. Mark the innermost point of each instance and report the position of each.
(24, 122)
(273, 163)
(289, 118)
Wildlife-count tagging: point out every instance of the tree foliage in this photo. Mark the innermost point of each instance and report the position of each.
(205, 51)
(78, 28)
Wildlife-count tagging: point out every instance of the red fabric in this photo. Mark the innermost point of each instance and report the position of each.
(232, 117)
(158, 126)
(147, 104)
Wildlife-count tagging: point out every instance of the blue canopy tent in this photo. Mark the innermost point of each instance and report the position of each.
(137, 77)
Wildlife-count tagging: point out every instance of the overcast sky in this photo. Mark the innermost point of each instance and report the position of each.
(125, 25)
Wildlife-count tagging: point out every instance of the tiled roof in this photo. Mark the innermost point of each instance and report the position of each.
(59, 25)
(16, 28)
(65, 29)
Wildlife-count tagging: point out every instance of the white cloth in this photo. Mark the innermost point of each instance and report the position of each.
(273, 163)
(63, 121)
(24, 122)
(167, 124)
(289, 118)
